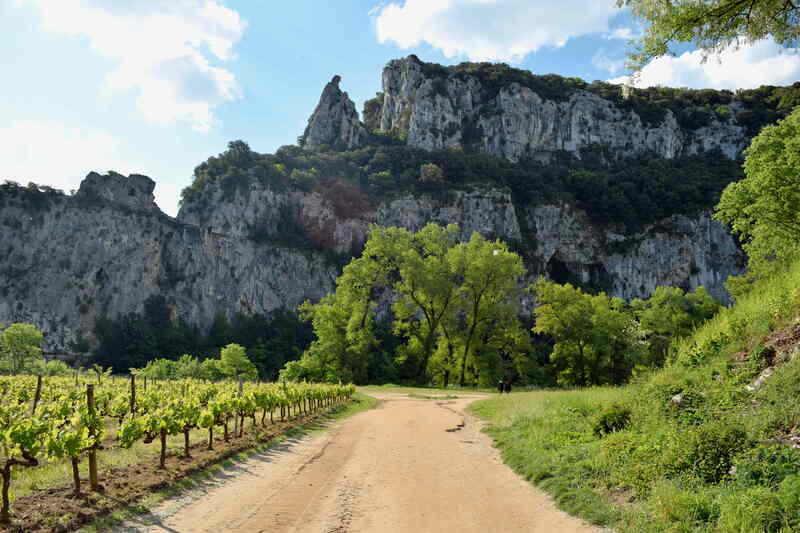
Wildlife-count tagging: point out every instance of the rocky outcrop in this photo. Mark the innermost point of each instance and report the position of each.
(68, 260)
(335, 121)
(135, 191)
(448, 109)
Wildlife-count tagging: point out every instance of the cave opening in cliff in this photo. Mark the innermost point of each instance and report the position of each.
(558, 271)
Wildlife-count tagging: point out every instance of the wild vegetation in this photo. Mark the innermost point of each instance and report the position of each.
(422, 307)
(712, 441)
(630, 193)
(702, 445)
(133, 340)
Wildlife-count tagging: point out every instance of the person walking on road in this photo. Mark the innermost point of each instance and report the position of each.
(501, 387)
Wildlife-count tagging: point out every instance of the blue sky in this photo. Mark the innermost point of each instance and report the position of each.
(157, 86)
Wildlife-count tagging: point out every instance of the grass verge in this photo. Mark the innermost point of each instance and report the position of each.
(711, 443)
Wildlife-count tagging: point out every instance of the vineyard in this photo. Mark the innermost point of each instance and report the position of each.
(67, 419)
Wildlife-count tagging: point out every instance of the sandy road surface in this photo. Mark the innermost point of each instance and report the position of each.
(410, 465)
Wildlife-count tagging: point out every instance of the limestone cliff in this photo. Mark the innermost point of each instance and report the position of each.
(259, 232)
(68, 260)
(447, 107)
(335, 120)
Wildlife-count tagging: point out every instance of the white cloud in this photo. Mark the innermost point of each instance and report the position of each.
(490, 30)
(764, 63)
(51, 153)
(601, 61)
(625, 34)
(161, 48)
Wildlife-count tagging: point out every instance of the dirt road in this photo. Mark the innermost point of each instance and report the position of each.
(410, 465)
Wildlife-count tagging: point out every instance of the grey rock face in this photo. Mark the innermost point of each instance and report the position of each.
(86, 257)
(442, 112)
(134, 191)
(102, 254)
(335, 121)
(556, 240)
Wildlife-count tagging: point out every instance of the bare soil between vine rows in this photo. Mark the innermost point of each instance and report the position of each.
(409, 465)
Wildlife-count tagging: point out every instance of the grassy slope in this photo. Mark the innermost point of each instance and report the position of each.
(717, 461)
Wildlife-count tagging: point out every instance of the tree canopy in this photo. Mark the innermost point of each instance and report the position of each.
(711, 25)
(453, 307)
(20, 348)
(763, 209)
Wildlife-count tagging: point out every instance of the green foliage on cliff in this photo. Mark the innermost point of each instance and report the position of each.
(630, 192)
(134, 339)
(693, 108)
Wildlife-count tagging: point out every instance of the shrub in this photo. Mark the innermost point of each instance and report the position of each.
(614, 418)
(708, 450)
(767, 464)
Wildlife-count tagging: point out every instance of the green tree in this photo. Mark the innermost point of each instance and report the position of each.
(211, 369)
(489, 293)
(450, 302)
(431, 172)
(19, 347)
(564, 313)
(710, 25)
(597, 340)
(764, 207)
(235, 364)
(669, 313)
(426, 292)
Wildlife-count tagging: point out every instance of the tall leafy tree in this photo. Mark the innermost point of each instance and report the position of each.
(426, 292)
(489, 293)
(20, 347)
(448, 303)
(235, 364)
(711, 25)
(597, 340)
(564, 312)
(764, 208)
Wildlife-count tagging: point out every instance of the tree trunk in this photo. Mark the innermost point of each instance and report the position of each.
(5, 512)
(226, 437)
(186, 442)
(211, 438)
(163, 460)
(76, 477)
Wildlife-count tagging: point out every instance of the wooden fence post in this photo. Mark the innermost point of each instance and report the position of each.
(92, 452)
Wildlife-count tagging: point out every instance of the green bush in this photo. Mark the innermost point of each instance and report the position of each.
(767, 464)
(613, 418)
(708, 450)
